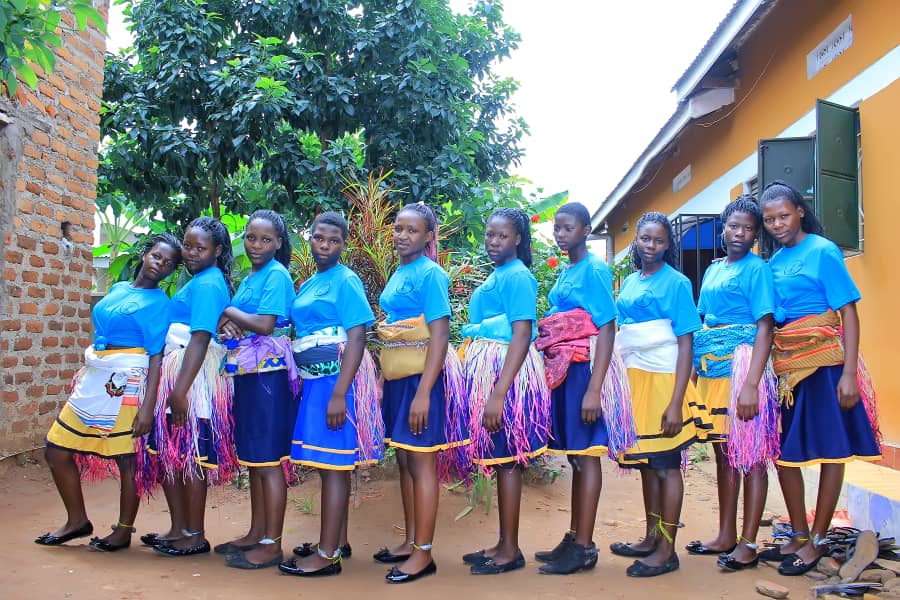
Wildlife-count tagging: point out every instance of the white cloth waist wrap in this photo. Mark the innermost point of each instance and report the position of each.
(649, 346)
(335, 335)
(177, 338)
(105, 381)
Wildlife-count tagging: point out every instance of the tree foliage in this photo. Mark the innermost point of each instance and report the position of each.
(288, 97)
(29, 32)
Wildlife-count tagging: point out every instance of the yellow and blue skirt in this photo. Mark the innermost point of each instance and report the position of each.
(715, 393)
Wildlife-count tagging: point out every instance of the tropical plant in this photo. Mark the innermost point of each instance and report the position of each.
(28, 35)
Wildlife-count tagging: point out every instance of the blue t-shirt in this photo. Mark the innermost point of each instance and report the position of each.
(268, 291)
(511, 290)
(200, 303)
(335, 297)
(416, 288)
(132, 318)
(740, 293)
(664, 295)
(588, 285)
(810, 278)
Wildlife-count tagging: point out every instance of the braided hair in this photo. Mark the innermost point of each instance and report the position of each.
(219, 234)
(335, 220)
(166, 238)
(647, 218)
(283, 254)
(431, 222)
(520, 221)
(779, 189)
(744, 204)
(577, 210)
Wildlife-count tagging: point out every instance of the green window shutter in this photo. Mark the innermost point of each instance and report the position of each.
(790, 160)
(837, 173)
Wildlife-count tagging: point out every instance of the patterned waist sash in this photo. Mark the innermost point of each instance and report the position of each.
(109, 379)
(802, 346)
(714, 348)
(564, 338)
(649, 346)
(404, 345)
(319, 353)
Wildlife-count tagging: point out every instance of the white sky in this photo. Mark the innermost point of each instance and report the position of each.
(596, 79)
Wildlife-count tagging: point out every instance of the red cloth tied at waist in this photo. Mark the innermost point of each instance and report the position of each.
(564, 338)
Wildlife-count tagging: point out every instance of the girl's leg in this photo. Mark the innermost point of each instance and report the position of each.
(334, 510)
(68, 484)
(272, 502)
(407, 495)
(671, 487)
(194, 498)
(756, 485)
(257, 510)
(728, 484)
(174, 493)
(423, 469)
(128, 502)
(831, 477)
(509, 499)
(791, 480)
(650, 487)
(587, 474)
(346, 520)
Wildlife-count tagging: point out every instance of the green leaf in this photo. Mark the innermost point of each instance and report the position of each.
(27, 74)
(465, 511)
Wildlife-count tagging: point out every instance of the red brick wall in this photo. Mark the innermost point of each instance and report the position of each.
(48, 175)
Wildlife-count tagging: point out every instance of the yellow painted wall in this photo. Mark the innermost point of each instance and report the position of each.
(774, 92)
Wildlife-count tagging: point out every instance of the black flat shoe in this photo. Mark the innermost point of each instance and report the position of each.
(793, 565)
(395, 575)
(697, 547)
(149, 539)
(49, 539)
(639, 569)
(625, 549)
(239, 561)
(546, 556)
(289, 567)
(309, 548)
(385, 556)
(475, 558)
(229, 548)
(772, 554)
(173, 551)
(730, 563)
(489, 567)
(103, 546)
(573, 558)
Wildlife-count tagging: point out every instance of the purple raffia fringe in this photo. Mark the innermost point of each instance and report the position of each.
(868, 397)
(754, 443)
(178, 447)
(455, 463)
(369, 422)
(615, 402)
(526, 410)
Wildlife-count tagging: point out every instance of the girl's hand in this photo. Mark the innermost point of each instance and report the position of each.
(178, 403)
(848, 391)
(590, 406)
(492, 419)
(229, 331)
(337, 413)
(671, 420)
(418, 414)
(142, 424)
(748, 403)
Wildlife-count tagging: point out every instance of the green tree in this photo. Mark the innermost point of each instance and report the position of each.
(290, 96)
(28, 34)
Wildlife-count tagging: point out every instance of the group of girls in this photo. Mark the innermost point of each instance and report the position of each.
(516, 388)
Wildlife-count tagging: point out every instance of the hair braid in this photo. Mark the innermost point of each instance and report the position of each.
(671, 255)
(166, 238)
(283, 254)
(520, 221)
(219, 234)
(431, 222)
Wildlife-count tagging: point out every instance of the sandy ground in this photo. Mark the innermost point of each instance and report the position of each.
(30, 506)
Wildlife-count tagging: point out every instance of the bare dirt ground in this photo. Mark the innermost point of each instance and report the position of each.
(29, 506)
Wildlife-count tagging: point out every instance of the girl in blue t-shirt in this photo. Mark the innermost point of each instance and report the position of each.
(259, 359)
(193, 430)
(339, 425)
(582, 302)
(816, 357)
(507, 390)
(657, 321)
(423, 400)
(113, 396)
(730, 358)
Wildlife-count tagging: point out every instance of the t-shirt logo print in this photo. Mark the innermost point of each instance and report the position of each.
(115, 387)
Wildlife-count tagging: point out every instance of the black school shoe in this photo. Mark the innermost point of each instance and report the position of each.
(546, 556)
(310, 548)
(639, 569)
(572, 558)
(489, 567)
(395, 575)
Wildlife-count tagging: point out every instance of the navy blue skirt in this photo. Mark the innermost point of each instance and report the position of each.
(264, 412)
(815, 430)
(397, 398)
(570, 434)
(206, 449)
